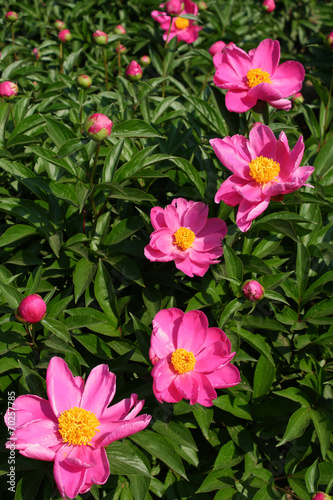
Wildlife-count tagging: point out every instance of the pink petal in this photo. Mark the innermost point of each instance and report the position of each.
(195, 217)
(251, 192)
(231, 73)
(192, 331)
(79, 383)
(81, 456)
(294, 159)
(288, 78)
(227, 191)
(228, 376)
(157, 218)
(62, 390)
(205, 244)
(265, 92)
(123, 430)
(122, 410)
(263, 141)
(42, 432)
(239, 101)
(283, 156)
(248, 211)
(160, 17)
(211, 358)
(267, 56)
(165, 326)
(99, 473)
(156, 255)
(69, 479)
(234, 154)
(38, 452)
(99, 390)
(191, 268)
(217, 335)
(187, 386)
(171, 218)
(281, 104)
(163, 382)
(190, 7)
(208, 257)
(217, 60)
(213, 226)
(29, 408)
(162, 240)
(190, 34)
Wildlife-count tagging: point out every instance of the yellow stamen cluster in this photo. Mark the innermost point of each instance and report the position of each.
(78, 426)
(183, 361)
(184, 238)
(264, 169)
(181, 23)
(256, 76)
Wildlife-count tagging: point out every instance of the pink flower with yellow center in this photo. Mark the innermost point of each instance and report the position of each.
(190, 359)
(74, 426)
(263, 168)
(184, 29)
(257, 76)
(184, 234)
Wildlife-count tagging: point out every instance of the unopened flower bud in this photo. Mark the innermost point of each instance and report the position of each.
(321, 496)
(297, 98)
(133, 71)
(98, 127)
(65, 36)
(84, 81)
(36, 53)
(174, 7)
(8, 90)
(268, 5)
(32, 309)
(100, 38)
(59, 24)
(330, 40)
(253, 290)
(120, 48)
(145, 61)
(120, 30)
(202, 6)
(217, 48)
(11, 17)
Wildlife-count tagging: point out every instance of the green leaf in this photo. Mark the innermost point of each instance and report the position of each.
(228, 456)
(159, 447)
(125, 458)
(299, 421)
(323, 429)
(28, 123)
(263, 377)
(303, 263)
(233, 306)
(111, 162)
(217, 480)
(27, 487)
(58, 328)
(71, 147)
(127, 267)
(324, 159)
(134, 128)
(299, 488)
(32, 381)
(4, 111)
(312, 477)
(133, 165)
(191, 172)
(11, 295)
(233, 406)
(105, 294)
(175, 432)
(83, 274)
(121, 230)
(323, 308)
(58, 131)
(15, 233)
(256, 341)
(295, 395)
(233, 266)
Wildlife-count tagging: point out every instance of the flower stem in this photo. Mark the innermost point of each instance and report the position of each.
(105, 69)
(13, 37)
(92, 201)
(165, 46)
(61, 56)
(119, 59)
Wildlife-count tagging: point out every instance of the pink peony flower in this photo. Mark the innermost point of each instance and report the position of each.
(184, 234)
(8, 90)
(321, 496)
(190, 359)
(268, 5)
(133, 71)
(84, 81)
(11, 17)
(217, 48)
(217, 58)
(257, 76)
(65, 36)
(120, 30)
(330, 40)
(74, 426)
(59, 24)
(145, 60)
(174, 7)
(184, 29)
(253, 290)
(98, 127)
(32, 309)
(100, 38)
(263, 167)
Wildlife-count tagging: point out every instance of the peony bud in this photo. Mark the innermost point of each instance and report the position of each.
(65, 36)
(321, 496)
(11, 17)
(297, 98)
(268, 5)
(32, 309)
(84, 81)
(202, 6)
(36, 53)
(217, 48)
(98, 127)
(253, 290)
(145, 61)
(100, 38)
(8, 90)
(174, 7)
(120, 30)
(59, 25)
(120, 48)
(330, 40)
(133, 71)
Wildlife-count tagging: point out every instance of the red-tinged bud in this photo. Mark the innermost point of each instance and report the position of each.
(145, 61)
(133, 71)
(84, 81)
(120, 30)
(8, 90)
(120, 48)
(36, 53)
(100, 38)
(11, 17)
(217, 48)
(297, 98)
(60, 25)
(330, 40)
(202, 6)
(174, 7)
(253, 290)
(32, 309)
(321, 496)
(268, 5)
(65, 36)
(98, 127)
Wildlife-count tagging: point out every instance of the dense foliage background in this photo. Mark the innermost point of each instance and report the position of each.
(269, 437)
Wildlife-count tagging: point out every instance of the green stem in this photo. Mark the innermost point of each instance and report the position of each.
(13, 37)
(105, 69)
(61, 55)
(33, 336)
(81, 94)
(205, 83)
(119, 59)
(11, 112)
(165, 46)
(328, 103)
(92, 201)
